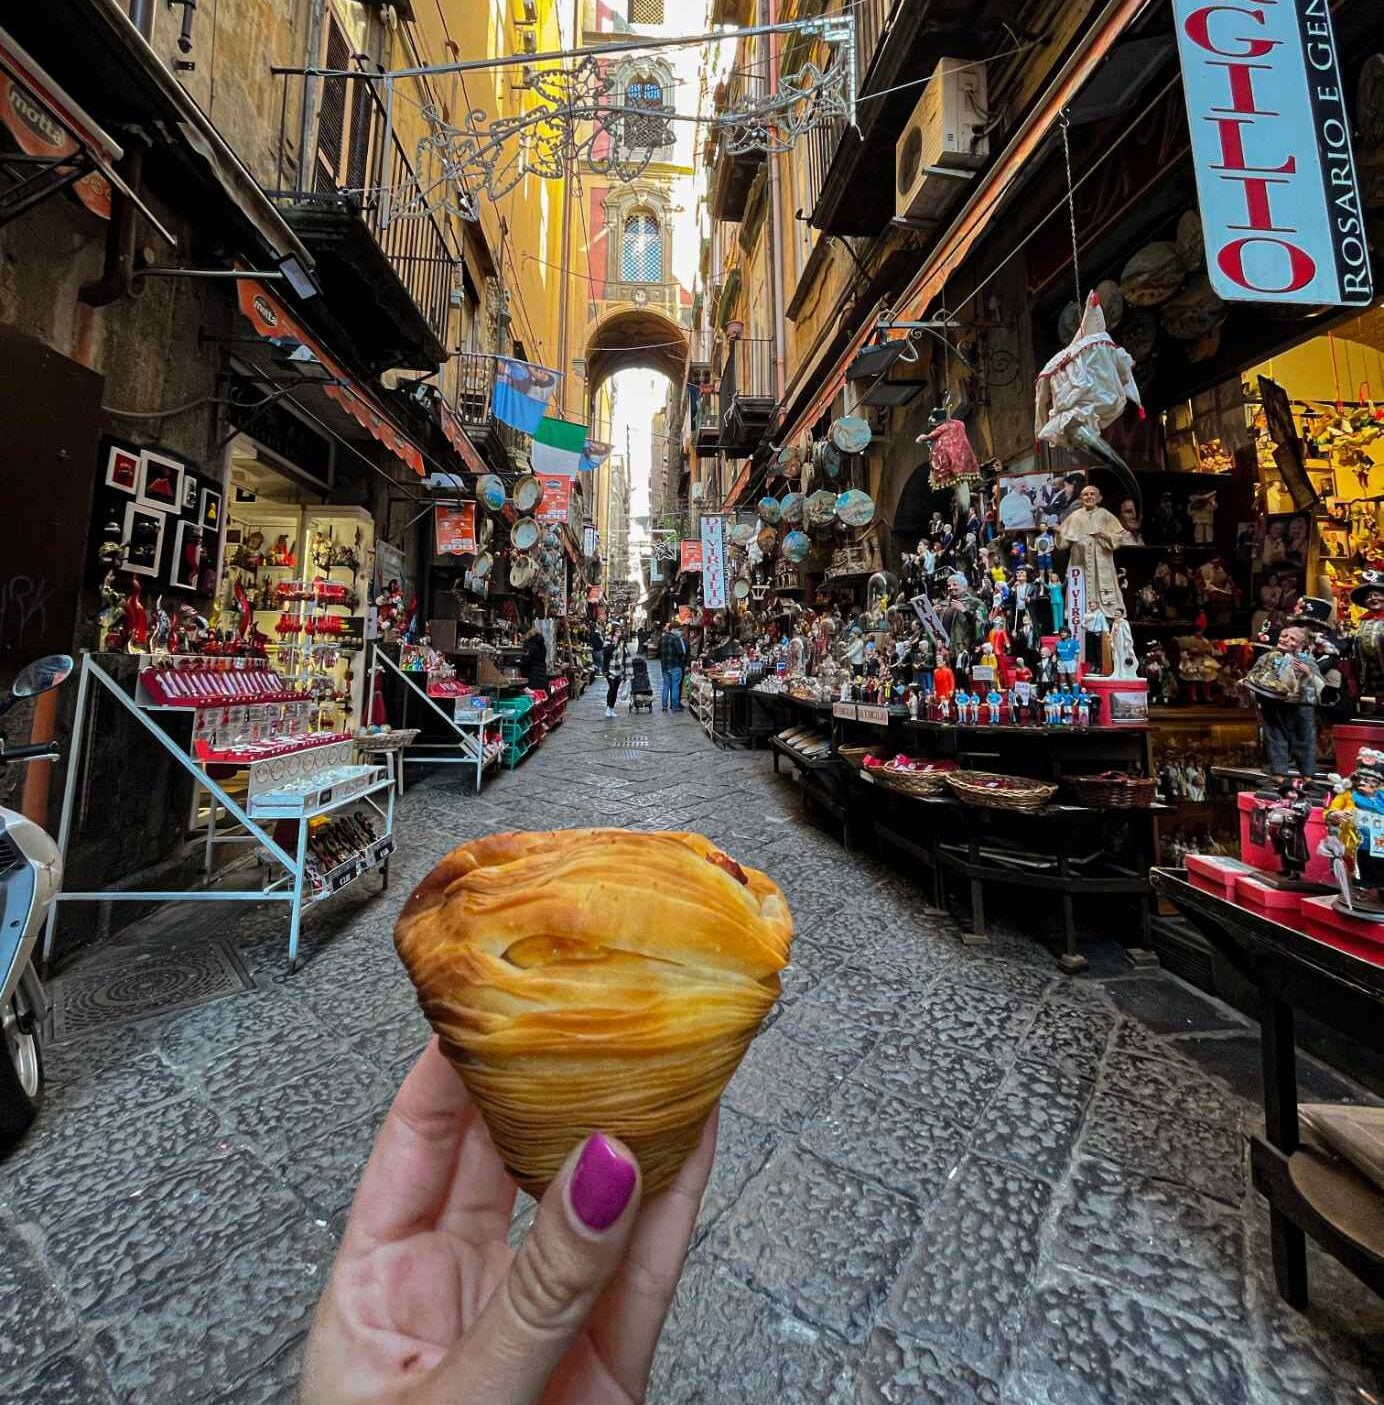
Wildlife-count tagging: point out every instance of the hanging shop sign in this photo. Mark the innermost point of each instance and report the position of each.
(455, 528)
(689, 556)
(1266, 106)
(556, 503)
(714, 563)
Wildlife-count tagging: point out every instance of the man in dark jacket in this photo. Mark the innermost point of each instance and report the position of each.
(672, 658)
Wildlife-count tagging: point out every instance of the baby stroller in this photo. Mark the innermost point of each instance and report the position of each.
(641, 690)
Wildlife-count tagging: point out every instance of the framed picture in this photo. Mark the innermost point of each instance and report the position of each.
(122, 469)
(1286, 539)
(187, 556)
(160, 482)
(190, 487)
(210, 514)
(143, 537)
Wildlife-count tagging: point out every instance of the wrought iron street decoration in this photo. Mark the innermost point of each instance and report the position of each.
(572, 111)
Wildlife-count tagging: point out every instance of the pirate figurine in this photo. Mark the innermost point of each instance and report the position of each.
(1368, 595)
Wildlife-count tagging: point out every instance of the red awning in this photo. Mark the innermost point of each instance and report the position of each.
(272, 320)
(461, 441)
(741, 483)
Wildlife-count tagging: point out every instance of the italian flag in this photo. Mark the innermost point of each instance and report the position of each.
(558, 447)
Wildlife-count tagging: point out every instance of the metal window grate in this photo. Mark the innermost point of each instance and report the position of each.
(641, 249)
(646, 11)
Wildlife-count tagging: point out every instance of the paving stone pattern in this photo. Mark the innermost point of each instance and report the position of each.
(947, 1175)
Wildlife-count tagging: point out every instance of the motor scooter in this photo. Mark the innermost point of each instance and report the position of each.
(30, 876)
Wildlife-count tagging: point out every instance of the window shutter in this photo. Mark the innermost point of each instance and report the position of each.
(331, 112)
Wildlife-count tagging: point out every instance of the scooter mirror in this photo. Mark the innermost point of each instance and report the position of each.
(41, 675)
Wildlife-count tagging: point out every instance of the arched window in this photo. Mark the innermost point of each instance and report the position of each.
(645, 90)
(641, 248)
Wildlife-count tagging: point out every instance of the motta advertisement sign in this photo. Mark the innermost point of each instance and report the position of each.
(1280, 203)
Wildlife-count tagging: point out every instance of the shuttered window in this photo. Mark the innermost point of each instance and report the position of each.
(641, 249)
(331, 113)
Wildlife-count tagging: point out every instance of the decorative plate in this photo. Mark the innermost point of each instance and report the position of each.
(854, 508)
(490, 492)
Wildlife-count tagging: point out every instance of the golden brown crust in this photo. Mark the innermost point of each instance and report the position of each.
(594, 979)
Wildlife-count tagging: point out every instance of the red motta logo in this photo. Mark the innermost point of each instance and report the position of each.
(36, 123)
(264, 309)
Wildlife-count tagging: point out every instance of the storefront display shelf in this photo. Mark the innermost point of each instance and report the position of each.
(320, 795)
(357, 866)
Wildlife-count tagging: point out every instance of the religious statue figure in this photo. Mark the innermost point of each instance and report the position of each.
(1092, 533)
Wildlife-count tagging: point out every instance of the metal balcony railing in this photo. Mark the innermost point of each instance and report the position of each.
(474, 397)
(353, 167)
(749, 371)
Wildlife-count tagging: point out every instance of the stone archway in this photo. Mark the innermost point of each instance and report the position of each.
(635, 337)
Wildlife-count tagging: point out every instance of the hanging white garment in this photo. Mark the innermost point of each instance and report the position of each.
(1086, 385)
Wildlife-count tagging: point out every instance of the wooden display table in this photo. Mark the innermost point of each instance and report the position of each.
(1308, 1192)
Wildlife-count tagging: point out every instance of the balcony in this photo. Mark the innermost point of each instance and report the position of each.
(747, 396)
(383, 259)
(850, 170)
(733, 176)
(474, 405)
(706, 421)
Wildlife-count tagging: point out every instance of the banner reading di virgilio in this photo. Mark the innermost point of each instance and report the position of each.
(1266, 105)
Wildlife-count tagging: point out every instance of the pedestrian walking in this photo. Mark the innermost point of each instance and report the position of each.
(613, 666)
(672, 658)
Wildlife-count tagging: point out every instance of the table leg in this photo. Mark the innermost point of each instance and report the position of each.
(1279, 1054)
(1071, 962)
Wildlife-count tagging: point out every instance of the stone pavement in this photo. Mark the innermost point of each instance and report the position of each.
(945, 1174)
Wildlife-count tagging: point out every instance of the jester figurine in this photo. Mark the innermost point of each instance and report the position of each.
(1361, 832)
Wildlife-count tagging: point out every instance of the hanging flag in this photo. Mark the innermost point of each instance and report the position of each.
(522, 393)
(558, 446)
(593, 456)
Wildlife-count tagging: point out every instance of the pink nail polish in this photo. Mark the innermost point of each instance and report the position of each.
(601, 1185)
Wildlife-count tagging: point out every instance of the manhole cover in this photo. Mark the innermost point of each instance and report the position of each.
(628, 741)
(136, 983)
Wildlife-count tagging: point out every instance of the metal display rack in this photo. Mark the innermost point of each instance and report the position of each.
(288, 787)
(466, 724)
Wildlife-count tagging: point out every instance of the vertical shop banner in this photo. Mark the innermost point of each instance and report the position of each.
(456, 529)
(689, 556)
(1266, 105)
(714, 563)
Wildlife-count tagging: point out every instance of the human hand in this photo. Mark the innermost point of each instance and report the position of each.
(428, 1304)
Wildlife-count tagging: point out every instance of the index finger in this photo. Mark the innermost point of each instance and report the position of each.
(411, 1169)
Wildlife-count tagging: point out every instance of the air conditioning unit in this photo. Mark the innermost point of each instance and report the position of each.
(943, 142)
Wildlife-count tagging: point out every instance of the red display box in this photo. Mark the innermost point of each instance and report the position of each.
(1326, 923)
(1220, 869)
(1262, 856)
(1278, 903)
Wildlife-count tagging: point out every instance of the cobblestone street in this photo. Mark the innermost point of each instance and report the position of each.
(945, 1174)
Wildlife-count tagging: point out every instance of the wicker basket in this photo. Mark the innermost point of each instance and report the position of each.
(1113, 790)
(854, 756)
(919, 783)
(1014, 792)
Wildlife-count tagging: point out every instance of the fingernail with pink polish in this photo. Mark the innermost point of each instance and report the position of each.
(602, 1184)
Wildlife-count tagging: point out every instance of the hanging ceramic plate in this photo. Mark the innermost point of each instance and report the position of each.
(830, 460)
(485, 530)
(1152, 275)
(522, 570)
(796, 545)
(789, 461)
(854, 508)
(528, 493)
(1112, 302)
(767, 540)
(1068, 321)
(769, 511)
(820, 508)
(850, 434)
(742, 533)
(525, 533)
(481, 565)
(490, 491)
(791, 508)
(740, 589)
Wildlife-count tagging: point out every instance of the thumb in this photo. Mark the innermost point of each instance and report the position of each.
(540, 1307)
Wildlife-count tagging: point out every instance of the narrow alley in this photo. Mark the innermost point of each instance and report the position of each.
(944, 1174)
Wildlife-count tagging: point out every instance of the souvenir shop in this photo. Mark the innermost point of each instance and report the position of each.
(1113, 610)
(479, 668)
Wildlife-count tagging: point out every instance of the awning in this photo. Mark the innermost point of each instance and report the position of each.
(742, 480)
(459, 440)
(48, 126)
(275, 323)
(944, 256)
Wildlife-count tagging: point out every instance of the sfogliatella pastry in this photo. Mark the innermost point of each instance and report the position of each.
(594, 979)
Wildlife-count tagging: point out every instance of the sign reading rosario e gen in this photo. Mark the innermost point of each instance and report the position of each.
(1280, 204)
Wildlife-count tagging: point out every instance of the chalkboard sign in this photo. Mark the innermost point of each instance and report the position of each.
(48, 459)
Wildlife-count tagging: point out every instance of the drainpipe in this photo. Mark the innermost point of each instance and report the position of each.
(142, 17)
(121, 239)
(775, 223)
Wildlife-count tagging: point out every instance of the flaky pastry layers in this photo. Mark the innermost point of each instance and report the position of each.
(594, 980)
